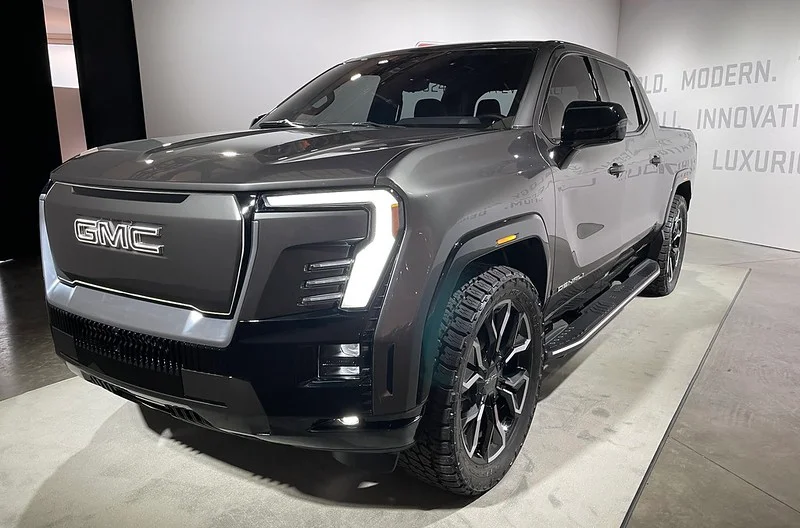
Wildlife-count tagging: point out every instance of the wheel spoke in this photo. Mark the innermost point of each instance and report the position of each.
(522, 320)
(473, 445)
(516, 388)
(491, 331)
(515, 381)
(476, 349)
(472, 413)
(506, 316)
(488, 433)
(470, 382)
(498, 426)
(508, 396)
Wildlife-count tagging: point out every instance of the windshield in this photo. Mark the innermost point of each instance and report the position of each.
(424, 88)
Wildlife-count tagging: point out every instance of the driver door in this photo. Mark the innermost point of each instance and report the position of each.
(589, 192)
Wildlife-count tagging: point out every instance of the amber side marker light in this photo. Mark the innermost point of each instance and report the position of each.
(505, 240)
(395, 218)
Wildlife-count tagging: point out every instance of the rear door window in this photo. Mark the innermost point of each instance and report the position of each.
(619, 89)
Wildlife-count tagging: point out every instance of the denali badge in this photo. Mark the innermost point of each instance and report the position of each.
(118, 236)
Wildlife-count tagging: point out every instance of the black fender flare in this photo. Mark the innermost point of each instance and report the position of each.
(681, 177)
(470, 247)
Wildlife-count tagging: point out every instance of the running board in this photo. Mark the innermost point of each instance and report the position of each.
(596, 315)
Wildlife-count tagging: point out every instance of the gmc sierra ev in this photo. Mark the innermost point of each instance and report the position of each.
(383, 264)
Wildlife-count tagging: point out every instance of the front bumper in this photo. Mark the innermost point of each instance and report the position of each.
(241, 406)
(157, 352)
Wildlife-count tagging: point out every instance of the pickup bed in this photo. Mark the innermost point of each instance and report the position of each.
(382, 265)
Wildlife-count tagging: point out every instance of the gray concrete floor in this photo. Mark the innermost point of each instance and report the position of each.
(731, 458)
(79, 456)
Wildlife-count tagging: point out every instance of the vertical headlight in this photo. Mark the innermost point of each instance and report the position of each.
(371, 257)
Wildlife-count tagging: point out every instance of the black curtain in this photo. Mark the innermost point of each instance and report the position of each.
(108, 70)
(30, 147)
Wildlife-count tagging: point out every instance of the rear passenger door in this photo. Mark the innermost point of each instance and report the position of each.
(644, 194)
(588, 198)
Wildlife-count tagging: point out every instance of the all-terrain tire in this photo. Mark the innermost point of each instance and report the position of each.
(440, 456)
(673, 237)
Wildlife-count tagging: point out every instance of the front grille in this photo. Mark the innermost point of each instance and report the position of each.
(168, 357)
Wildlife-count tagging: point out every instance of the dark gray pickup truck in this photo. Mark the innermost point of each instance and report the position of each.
(383, 264)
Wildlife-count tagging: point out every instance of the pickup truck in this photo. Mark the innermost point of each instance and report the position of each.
(382, 265)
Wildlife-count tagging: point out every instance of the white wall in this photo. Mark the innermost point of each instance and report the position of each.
(63, 70)
(213, 65)
(706, 60)
(71, 134)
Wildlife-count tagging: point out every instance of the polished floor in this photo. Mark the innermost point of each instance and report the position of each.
(71, 454)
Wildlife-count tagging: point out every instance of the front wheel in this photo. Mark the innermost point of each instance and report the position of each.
(485, 384)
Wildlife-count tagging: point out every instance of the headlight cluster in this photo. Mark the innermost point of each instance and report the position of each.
(372, 256)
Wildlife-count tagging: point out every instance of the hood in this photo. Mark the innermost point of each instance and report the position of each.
(248, 160)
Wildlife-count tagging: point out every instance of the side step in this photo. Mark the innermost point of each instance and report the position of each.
(596, 315)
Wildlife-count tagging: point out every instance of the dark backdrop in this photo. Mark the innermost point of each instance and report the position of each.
(108, 70)
(30, 148)
(111, 100)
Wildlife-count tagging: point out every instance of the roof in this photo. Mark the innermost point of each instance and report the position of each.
(439, 48)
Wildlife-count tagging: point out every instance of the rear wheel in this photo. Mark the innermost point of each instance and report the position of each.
(485, 384)
(672, 244)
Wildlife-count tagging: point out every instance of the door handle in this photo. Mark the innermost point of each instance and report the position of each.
(655, 160)
(616, 169)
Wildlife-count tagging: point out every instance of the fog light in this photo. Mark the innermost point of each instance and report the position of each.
(349, 420)
(336, 371)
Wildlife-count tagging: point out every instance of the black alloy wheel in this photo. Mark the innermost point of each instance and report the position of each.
(675, 248)
(496, 381)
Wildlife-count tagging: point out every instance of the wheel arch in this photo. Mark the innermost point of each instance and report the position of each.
(529, 252)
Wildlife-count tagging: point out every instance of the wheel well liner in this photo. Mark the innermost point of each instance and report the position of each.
(685, 190)
(527, 256)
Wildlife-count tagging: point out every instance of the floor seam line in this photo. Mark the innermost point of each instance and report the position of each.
(734, 474)
(743, 242)
(678, 410)
(758, 261)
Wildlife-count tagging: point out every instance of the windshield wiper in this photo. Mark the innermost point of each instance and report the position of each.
(280, 123)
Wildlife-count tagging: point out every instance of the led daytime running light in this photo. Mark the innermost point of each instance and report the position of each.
(371, 259)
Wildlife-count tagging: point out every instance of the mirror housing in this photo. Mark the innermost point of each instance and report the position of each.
(589, 123)
(256, 119)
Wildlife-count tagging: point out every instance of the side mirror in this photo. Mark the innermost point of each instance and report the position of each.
(593, 123)
(256, 119)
